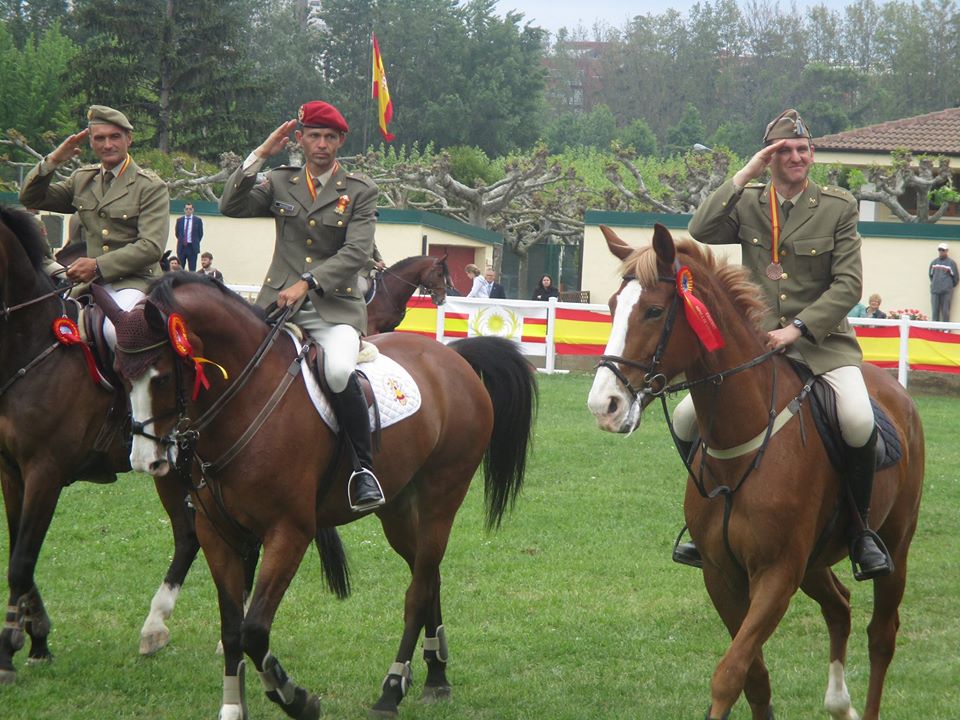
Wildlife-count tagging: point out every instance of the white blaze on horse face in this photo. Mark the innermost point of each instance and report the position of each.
(145, 455)
(609, 401)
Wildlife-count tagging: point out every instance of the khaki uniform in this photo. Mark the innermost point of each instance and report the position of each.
(820, 254)
(330, 237)
(125, 228)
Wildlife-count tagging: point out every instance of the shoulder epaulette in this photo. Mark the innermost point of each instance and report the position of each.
(286, 168)
(837, 192)
(148, 173)
(95, 168)
(361, 178)
(752, 185)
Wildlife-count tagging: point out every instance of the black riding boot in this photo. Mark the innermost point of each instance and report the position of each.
(867, 552)
(686, 553)
(363, 489)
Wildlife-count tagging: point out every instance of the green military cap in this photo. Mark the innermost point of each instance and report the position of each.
(101, 114)
(787, 126)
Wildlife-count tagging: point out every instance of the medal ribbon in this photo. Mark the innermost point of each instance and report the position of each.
(698, 317)
(67, 333)
(122, 167)
(775, 222)
(313, 188)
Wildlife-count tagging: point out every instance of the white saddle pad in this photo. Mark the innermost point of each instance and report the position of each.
(397, 394)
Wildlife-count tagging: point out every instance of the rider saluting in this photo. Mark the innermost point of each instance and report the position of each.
(801, 243)
(325, 220)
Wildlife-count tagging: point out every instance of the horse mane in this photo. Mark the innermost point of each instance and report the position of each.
(732, 278)
(161, 290)
(26, 228)
(403, 264)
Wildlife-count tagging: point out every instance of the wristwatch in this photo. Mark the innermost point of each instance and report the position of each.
(802, 327)
(310, 280)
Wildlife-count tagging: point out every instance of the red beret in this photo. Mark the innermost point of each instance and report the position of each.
(317, 113)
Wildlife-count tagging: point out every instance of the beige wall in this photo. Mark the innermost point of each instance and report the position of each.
(895, 268)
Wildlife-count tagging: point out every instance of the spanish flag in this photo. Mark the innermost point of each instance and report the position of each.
(381, 92)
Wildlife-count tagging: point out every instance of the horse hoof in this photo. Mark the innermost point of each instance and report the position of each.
(42, 660)
(154, 642)
(376, 712)
(436, 694)
(8, 677)
(311, 710)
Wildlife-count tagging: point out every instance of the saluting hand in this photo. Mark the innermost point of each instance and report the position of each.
(757, 164)
(277, 140)
(69, 148)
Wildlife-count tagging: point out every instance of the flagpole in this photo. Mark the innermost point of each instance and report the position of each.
(366, 104)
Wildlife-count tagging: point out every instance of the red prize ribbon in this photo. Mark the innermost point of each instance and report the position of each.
(698, 317)
(67, 333)
(177, 330)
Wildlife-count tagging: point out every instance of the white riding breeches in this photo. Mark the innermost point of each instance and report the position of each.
(853, 408)
(126, 299)
(340, 343)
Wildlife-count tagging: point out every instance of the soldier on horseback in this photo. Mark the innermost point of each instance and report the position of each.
(325, 220)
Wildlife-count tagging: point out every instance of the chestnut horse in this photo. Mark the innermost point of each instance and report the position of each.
(280, 478)
(397, 283)
(54, 429)
(772, 517)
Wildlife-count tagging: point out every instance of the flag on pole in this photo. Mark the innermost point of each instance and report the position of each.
(381, 92)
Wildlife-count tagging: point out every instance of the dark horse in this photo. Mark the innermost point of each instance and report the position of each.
(771, 517)
(395, 285)
(54, 429)
(269, 469)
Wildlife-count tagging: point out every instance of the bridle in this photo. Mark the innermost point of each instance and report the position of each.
(434, 292)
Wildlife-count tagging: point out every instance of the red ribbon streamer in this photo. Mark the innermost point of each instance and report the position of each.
(698, 317)
(67, 333)
(177, 329)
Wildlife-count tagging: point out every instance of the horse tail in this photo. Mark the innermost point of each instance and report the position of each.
(512, 385)
(334, 562)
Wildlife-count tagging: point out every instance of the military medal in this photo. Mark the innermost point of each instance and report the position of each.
(774, 271)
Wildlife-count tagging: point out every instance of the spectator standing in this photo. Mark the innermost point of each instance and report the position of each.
(496, 291)
(479, 287)
(207, 268)
(943, 279)
(545, 289)
(189, 232)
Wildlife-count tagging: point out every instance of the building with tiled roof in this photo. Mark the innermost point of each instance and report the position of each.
(933, 134)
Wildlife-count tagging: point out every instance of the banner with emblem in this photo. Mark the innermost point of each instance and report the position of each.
(381, 93)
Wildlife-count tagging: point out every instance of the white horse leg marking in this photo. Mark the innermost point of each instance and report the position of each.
(837, 699)
(608, 400)
(233, 707)
(145, 455)
(154, 635)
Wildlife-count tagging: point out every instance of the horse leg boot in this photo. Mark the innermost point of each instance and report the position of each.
(363, 489)
(686, 553)
(867, 551)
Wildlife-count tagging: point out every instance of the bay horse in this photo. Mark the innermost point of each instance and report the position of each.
(55, 429)
(280, 480)
(396, 284)
(768, 517)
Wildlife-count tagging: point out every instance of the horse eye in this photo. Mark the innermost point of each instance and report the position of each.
(653, 313)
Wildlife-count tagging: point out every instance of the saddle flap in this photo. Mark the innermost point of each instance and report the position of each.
(90, 321)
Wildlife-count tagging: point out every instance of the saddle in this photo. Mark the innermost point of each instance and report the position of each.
(823, 407)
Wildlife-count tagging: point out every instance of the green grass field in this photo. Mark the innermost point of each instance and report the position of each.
(573, 610)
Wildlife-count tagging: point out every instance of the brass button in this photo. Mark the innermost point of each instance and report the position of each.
(755, 241)
(783, 296)
(105, 232)
(783, 320)
(79, 207)
(783, 253)
(785, 276)
(308, 259)
(269, 279)
(309, 241)
(339, 222)
(282, 211)
(312, 223)
(106, 248)
(349, 290)
(102, 214)
(813, 252)
(124, 217)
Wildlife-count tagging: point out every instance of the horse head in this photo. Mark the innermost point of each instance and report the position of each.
(436, 279)
(651, 340)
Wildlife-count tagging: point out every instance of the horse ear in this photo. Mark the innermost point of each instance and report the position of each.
(664, 247)
(155, 317)
(617, 247)
(105, 302)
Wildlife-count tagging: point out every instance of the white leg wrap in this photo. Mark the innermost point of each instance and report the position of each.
(837, 699)
(438, 644)
(275, 679)
(233, 702)
(399, 674)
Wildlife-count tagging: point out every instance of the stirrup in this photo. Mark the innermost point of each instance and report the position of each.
(686, 553)
(370, 503)
(860, 574)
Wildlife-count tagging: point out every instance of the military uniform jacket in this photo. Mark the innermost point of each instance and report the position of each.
(330, 237)
(125, 229)
(820, 254)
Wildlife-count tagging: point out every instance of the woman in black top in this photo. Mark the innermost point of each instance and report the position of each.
(545, 289)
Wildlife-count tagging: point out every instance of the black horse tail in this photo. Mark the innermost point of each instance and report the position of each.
(512, 384)
(334, 562)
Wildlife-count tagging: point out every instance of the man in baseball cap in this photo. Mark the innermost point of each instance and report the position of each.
(325, 220)
(124, 209)
(943, 279)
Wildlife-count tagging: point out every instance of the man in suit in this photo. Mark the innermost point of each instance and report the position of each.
(124, 209)
(495, 289)
(325, 219)
(189, 232)
(800, 242)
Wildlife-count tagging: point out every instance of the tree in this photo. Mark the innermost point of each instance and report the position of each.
(32, 19)
(686, 133)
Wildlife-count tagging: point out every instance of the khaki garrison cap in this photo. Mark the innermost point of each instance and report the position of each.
(103, 115)
(788, 126)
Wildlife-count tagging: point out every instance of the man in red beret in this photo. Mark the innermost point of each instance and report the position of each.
(325, 219)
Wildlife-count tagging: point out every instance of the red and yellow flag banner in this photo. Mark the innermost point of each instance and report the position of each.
(381, 92)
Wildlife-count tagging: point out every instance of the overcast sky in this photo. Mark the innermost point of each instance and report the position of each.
(555, 14)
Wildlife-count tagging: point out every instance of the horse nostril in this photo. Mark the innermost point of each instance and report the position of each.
(612, 407)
